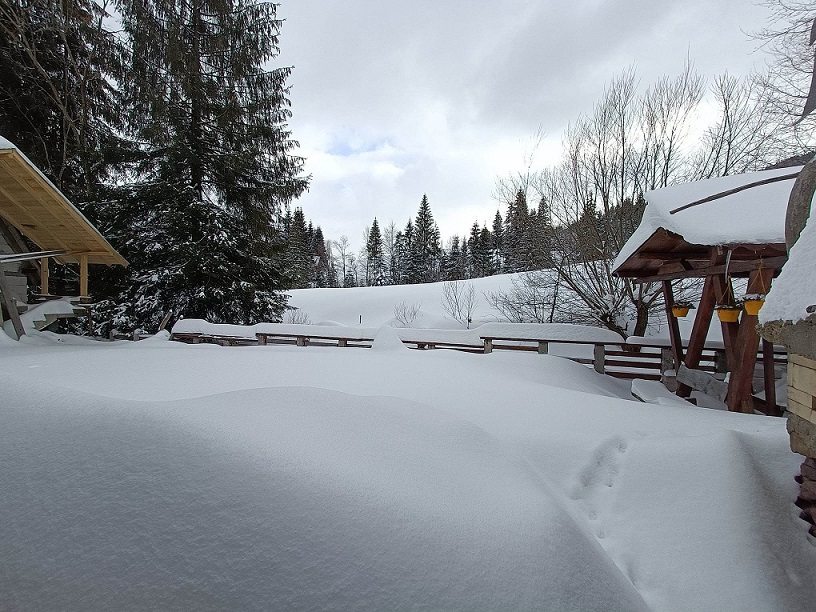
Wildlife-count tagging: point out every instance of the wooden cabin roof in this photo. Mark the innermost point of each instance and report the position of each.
(32, 204)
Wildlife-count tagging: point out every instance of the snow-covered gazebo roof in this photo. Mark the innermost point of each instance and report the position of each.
(676, 244)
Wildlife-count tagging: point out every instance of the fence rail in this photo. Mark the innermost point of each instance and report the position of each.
(616, 359)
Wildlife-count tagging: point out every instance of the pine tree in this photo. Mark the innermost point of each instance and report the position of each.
(412, 267)
(217, 162)
(57, 101)
(320, 259)
(375, 266)
(427, 246)
(498, 243)
(298, 252)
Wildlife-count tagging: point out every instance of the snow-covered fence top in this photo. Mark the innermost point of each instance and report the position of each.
(199, 326)
(553, 332)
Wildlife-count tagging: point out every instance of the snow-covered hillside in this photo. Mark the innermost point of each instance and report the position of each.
(158, 475)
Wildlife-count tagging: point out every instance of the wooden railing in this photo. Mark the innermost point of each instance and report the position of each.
(617, 359)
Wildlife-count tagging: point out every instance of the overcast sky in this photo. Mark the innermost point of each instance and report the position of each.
(392, 99)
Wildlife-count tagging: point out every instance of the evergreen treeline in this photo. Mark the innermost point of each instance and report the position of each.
(519, 242)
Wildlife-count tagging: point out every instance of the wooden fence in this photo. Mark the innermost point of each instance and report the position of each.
(617, 359)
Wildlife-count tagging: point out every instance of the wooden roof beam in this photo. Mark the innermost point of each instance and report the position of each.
(738, 267)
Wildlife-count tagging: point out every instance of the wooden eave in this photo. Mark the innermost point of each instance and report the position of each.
(33, 205)
(667, 256)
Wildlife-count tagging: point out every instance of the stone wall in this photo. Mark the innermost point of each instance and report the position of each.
(802, 429)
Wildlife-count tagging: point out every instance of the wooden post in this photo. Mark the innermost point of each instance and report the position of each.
(674, 328)
(44, 273)
(261, 339)
(666, 361)
(543, 347)
(488, 345)
(11, 304)
(722, 287)
(720, 362)
(770, 378)
(742, 370)
(598, 358)
(301, 340)
(83, 275)
(699, 332)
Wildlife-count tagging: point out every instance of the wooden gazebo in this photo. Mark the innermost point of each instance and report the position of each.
(716, 229)
(34, 211)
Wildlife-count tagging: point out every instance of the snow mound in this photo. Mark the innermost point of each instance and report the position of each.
(387, 339)
(292, 498)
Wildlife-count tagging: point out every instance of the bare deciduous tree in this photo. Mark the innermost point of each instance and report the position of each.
(629, 144)
(406, 314)
(459, 301)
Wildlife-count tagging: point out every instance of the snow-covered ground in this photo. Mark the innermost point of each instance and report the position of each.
(158, 475)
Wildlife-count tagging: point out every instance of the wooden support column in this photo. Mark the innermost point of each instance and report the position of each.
(722, 287)
(674, 328)
(770, 378)
(742, 369)
(699, 332)
(44, 274)
(599, 358)
(83, 275)
(11, 304)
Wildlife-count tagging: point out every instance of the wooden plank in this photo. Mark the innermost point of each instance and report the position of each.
(802, 378)
(734, 267)
(83, 275)
(802, 361)
(801, 410)
(699, 332)
(631, 375)
(700, 381)
(745, 353)
(598, 358)
(674, 328)
(11, 304)
(44, 273)
(805, 399)
(722, 194)
(723, 288)
(643, 365)
(769, 373)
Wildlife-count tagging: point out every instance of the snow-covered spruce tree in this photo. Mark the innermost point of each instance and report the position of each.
(298, 259)
(497, 246)
(375, 264)
(198, 222)
(57, 99)
(427, 248)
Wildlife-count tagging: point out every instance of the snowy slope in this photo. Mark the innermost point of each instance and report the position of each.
(170, 476)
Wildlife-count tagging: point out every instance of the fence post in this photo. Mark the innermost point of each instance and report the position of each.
(599, 357)
(666, 364)
(666, 360)
(543, 347)
(488, 345)
(261, 339)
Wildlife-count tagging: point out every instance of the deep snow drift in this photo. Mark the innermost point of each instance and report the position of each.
(169, 476)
